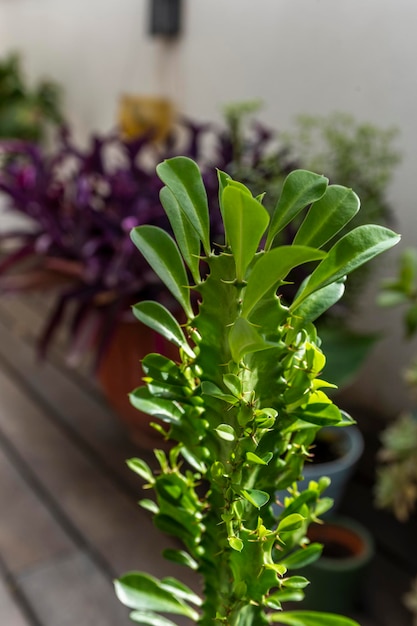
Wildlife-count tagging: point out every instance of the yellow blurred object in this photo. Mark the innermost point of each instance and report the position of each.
(145, 114)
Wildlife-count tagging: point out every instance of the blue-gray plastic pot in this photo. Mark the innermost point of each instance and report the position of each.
(351, 444)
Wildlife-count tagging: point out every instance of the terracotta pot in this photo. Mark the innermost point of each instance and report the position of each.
(120, 372)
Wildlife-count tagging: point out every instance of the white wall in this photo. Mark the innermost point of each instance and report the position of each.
(298, 56)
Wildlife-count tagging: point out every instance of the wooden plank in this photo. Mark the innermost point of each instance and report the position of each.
(84, 383)
(24, 315)
(10, 612)
(77, 410)
(109, 520)
(29, 534)
(72, 592)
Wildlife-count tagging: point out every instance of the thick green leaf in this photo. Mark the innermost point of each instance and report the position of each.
(279, 568)
(166, 410)
(327, 216)
(187, 238)
(152, 619)
(142, 468)
(145, 593)
(300, 189)
(271, 268)
(226, 432)
(254, 458)
(234, 384)
(311, 618)
(359, 246)
(162, 389)
(290, 522)
(159, 367)
(235, 543)
(194, 460)
(319, 413)
(162, 254)
(321, 300)
(245, 221)
(163, 322)
(223, 179)
(149, 505)
(180, 590)
(305, 497)
(284, 595)
(182, 529)
(180, 557)
(182, 176)
(303, 556)
(324, 504)
(243, 338)
(256, 497)
(296, 582)
(210, 389)
(240, 186)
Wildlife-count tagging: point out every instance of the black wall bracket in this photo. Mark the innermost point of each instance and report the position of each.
(165, 17)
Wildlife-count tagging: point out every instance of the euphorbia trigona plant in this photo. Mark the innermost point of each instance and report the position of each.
(244, 401)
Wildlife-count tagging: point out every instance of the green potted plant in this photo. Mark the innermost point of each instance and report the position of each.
(243, 401)
(26, 112)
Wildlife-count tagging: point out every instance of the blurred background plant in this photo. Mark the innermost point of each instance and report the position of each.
(396, 475)
(242, 132)
(362, 156)
(27, 112)
(410, 601)
(356, 154)
(396, 485)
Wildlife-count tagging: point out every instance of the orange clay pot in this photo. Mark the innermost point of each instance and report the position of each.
(120, 372)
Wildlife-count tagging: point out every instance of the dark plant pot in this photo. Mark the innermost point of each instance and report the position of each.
(347, 442)
(337, 578)
(120, 372)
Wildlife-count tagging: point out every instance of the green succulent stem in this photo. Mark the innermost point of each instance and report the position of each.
(245, 398)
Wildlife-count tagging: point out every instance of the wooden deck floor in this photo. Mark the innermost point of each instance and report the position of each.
(69, 522)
